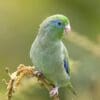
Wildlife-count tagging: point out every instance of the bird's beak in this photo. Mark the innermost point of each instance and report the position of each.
(67, 28)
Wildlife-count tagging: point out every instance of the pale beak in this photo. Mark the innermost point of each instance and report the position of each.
(67, 28)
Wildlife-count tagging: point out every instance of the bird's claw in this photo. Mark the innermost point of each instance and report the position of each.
(39, 74)
(54, 92)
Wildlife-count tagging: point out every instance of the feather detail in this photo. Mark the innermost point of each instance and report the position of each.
(66, 66)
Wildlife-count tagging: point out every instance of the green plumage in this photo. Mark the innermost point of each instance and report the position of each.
(48, 52)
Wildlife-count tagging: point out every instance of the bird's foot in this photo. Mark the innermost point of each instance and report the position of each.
(54, 91)
(39, 74)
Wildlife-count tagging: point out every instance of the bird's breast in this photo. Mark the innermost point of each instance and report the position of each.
(47, 57)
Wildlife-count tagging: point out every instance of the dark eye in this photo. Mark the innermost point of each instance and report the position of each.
(59, 23)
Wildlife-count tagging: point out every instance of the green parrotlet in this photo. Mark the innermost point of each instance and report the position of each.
(48, 53)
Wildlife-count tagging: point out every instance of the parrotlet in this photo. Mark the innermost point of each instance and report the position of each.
(49, 54)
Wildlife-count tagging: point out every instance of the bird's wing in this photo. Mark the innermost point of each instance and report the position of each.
(67, 68)
(66, 61)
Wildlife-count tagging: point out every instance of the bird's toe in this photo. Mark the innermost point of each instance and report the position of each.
(54, 92)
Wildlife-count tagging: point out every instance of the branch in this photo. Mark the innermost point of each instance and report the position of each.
(24, 71)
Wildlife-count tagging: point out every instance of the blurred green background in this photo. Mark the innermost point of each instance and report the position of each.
(19, 23)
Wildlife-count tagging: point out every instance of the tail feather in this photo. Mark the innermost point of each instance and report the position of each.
(70, 87)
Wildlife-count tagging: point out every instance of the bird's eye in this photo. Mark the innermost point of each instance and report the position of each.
(59, 23)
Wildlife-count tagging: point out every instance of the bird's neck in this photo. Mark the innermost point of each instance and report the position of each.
(45, 40)
(48, 35)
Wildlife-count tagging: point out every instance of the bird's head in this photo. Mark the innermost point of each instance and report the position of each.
(54, 26)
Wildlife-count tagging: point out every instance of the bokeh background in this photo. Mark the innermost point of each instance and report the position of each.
(19, 23)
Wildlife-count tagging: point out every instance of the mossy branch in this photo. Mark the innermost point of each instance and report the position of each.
(24, 71)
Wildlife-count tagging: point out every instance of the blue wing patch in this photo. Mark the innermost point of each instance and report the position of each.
(66, 66)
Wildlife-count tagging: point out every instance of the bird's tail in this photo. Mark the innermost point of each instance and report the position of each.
(70, 87)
